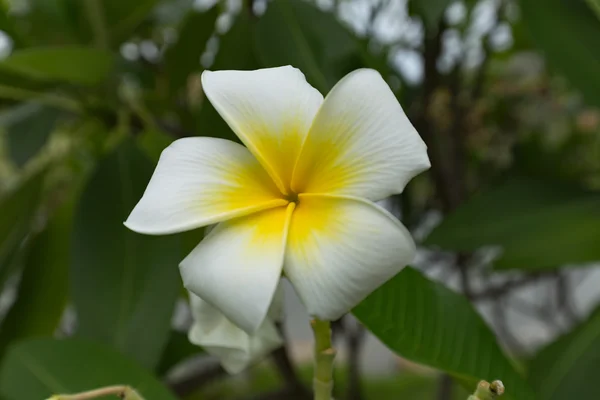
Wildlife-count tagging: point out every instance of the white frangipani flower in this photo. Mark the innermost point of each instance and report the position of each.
(298, 197)
(235, 349)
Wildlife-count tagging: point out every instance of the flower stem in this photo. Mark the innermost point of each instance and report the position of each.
(324, 355)
(488, 391)
(122, 391)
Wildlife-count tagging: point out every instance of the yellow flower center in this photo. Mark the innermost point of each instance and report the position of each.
(292, 197)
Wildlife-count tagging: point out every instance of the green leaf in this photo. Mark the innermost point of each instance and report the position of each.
(18, 209)
(567, 33)
(235, 53)
(153, 142)
(124, 285)
(539, 224)
(178, 349)
(307, 38)
(183, 58)
(431, 11)
(123, 17)
(568, 368)
(72, 64)
(44, 285)
(28, 126)
(425, 322)
(595, 5)
(37, 369)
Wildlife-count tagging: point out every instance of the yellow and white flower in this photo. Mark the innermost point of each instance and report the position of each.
(297, 199)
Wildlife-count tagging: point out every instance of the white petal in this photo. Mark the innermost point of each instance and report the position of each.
(340, 249)
(235, 349)
(236, 268)
(361, 143)
(200, 181)
(269, 109)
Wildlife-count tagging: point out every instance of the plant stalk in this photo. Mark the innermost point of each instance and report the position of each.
(324, 356)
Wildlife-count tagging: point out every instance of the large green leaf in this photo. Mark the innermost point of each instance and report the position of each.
(44, 285)
(539, 224)
(124, 284)
(18, 209)
(183, 58)
(425, 322)
(296, 33)
(28, 127)
(72, 64)
(36, 369)
(567, 368)
(568, 34)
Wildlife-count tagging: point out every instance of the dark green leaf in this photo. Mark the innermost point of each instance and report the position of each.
(183, 58)
(235, 52)
(425, 322)
(567, 32)
(178, 349)
(431, 11)
(28, 127)
(567, 368)
(153, 142)
(124, 285)
(56, 22)
(123, 17)
(36, 369)
(595, 5)
(44, 285)
(296, 33)
(538, 224)
(73, 64)
(18, 209)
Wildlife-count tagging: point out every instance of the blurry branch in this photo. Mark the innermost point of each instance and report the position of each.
(95, 16)
(355, 337)
(48, 99)
(286, 369)
(564, 297)
(480, 75)
(173, 129)
(197, 379)
(462, 261)
(494, 292)
(376, 10)
(502, 329)
(441, 171)
(444, 389)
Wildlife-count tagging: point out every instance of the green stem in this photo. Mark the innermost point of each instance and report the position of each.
(487, 391)
(49, 99)
(324, 355)
(122, 391)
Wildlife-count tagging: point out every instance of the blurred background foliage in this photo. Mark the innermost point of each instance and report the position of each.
(506, 94)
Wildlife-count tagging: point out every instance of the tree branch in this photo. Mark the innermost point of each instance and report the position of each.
(354, 340)
(286, 369)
